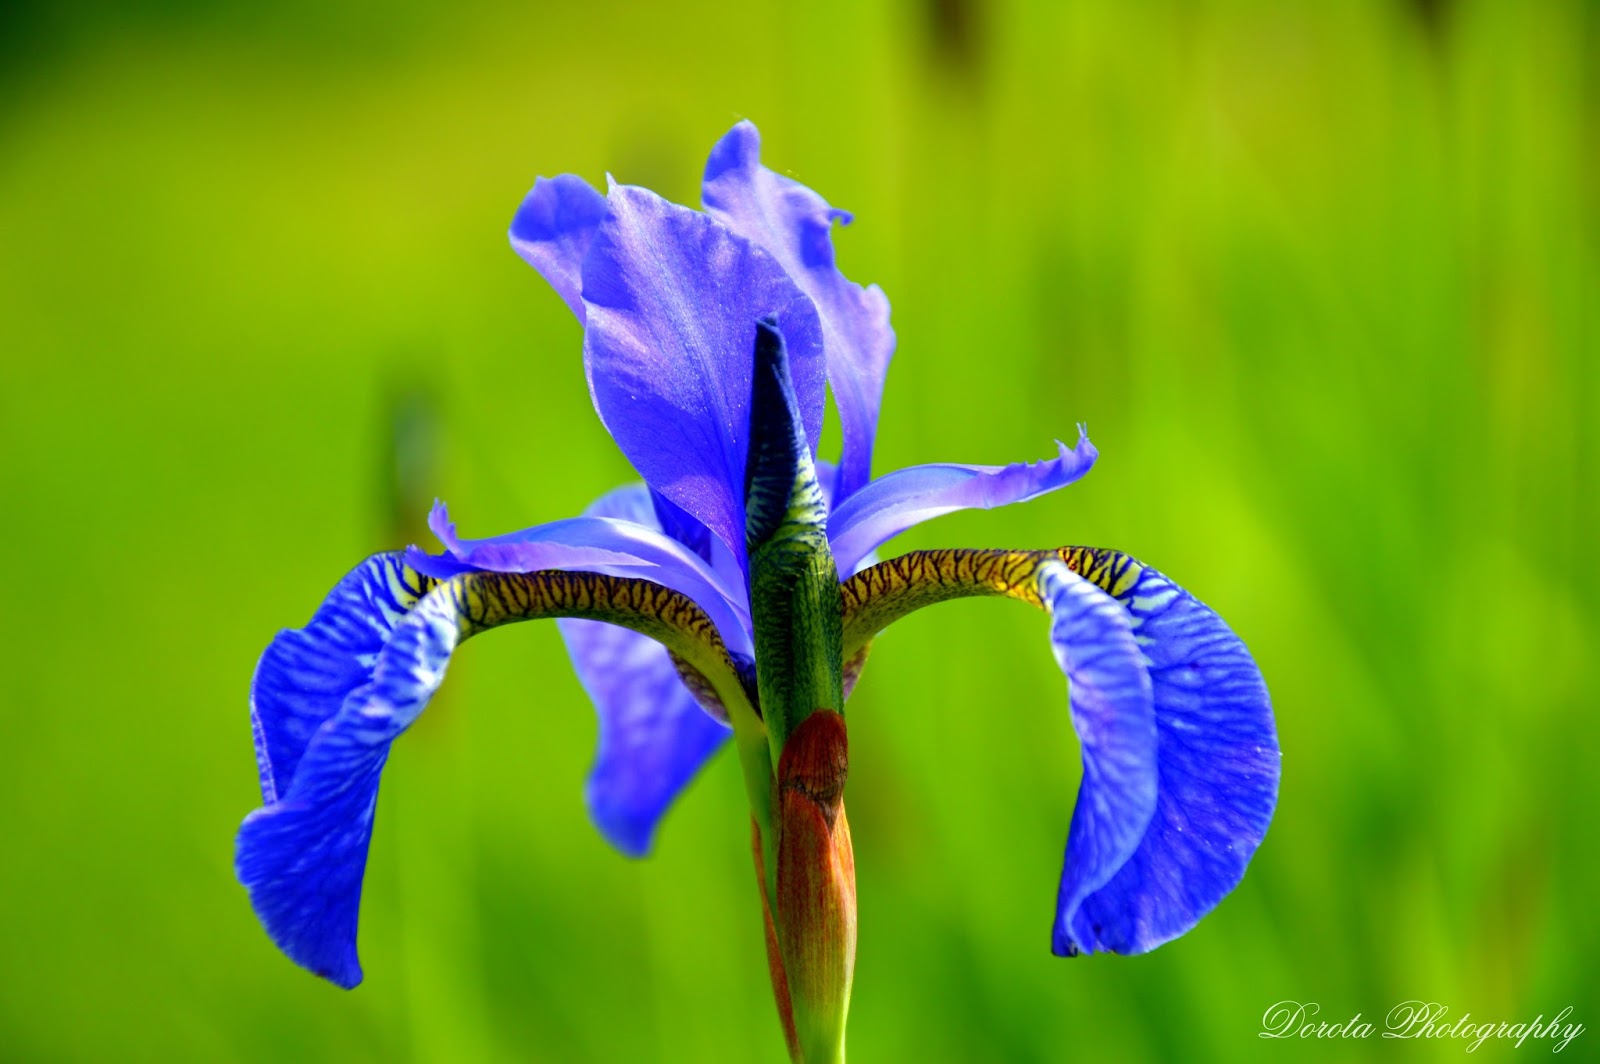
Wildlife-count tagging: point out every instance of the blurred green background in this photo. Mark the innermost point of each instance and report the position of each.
(1322, 279)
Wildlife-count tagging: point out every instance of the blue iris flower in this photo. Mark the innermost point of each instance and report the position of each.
(687, 317)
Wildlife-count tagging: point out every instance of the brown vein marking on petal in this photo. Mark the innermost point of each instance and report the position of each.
(482, 600)
(880, 595)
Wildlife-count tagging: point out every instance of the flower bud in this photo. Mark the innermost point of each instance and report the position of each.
(816, 886)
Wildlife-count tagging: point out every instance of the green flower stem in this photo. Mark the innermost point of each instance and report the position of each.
(802, 843)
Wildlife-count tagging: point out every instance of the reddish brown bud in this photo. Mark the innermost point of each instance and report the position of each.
(780, 982)
(816, 884)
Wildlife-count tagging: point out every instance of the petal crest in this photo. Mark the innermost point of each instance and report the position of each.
(595, 544)
(907, 497)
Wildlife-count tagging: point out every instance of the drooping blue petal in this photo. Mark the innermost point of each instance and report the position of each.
(907, 497)
(1217, 764)
(597, 545)
(1214, 758)
(302, 856)
(794, 225)
(305, 674)
(552, 230)
(302, 864)
(672, 299)
(654, 736)
(1114, 716)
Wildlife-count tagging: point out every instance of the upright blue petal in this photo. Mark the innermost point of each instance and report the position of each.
(672, 299)
(552, 230)
(654, 736)
(306, 673)
(1114, 715)
(674, 522)
(794, 225)
(1217, 766)
(597, 545)
(907, 497)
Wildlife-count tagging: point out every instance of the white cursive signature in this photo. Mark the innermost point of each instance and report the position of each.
(1417, 1019)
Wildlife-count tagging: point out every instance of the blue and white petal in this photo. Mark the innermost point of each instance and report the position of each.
(1113, 714)
(1180, 751)
(305, 674)
(302, 857)
(1218, 765)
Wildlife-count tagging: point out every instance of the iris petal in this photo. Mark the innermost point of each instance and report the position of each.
(552, 230)
(672, 299)
(1218, 764)
(794, 225)
(828, 481)
(1215, 757)
(1114, 717)
(654, 736)
(675, 522)
(302, 862)
(307, 673)
(302, 857)
(907, 497)
(598, 545)
(635, 502)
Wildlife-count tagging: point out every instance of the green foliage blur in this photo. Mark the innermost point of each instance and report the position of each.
(1323, 279)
